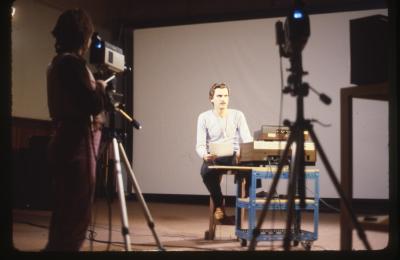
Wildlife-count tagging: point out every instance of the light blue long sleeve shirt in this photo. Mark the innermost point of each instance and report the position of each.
(212, 128)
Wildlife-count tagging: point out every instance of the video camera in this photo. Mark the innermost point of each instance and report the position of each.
(106, 55)
(110, 60)
(293, 36)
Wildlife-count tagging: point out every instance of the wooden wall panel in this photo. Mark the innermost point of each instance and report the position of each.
(24, 128)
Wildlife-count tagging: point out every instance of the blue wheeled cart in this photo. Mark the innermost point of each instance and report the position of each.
(252, 204)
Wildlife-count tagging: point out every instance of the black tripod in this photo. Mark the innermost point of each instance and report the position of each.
(296, 183)
(115, 147)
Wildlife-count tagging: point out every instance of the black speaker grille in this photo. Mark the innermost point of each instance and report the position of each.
(369, 49)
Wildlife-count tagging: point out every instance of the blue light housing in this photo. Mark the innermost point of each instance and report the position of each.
(297, 14)
(98, 45)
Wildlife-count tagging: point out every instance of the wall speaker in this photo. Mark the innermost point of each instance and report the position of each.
(369, 49)
(32, 180)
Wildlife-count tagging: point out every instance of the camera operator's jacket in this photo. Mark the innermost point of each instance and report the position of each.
(75, 104)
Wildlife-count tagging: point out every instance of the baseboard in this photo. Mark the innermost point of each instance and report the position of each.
(327, 205)
(360, 206)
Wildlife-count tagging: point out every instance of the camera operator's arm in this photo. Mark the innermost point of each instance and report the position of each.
(72, 91)
(101, 84)
(94, 93)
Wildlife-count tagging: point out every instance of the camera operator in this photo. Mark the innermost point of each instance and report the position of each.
(76, 104)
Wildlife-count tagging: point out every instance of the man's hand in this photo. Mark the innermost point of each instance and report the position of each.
(237, 158)
(209, 157)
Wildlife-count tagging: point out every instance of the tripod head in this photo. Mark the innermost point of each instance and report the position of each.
(114, 105)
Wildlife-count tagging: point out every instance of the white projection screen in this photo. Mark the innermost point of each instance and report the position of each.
(174, 66)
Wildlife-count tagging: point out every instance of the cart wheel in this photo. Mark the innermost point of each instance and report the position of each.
(243, 242)
(295, 242)
(307, 245)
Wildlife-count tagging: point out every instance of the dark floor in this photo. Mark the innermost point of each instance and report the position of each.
(179, 227)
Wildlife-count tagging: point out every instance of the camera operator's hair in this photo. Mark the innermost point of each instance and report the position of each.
(215, 86)
(72, 31)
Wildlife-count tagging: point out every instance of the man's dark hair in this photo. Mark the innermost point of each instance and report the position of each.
(215, 86)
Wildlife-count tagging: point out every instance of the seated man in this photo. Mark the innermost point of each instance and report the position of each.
(224, 126)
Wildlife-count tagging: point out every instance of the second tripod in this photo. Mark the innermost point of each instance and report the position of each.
(291, 42)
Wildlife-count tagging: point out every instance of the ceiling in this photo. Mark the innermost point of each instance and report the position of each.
(146, 13)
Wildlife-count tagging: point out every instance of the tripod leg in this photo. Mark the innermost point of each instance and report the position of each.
(356, 224)
(296, 180)
(291, 191)
(290, 207)
(121, 195)
(272, 190)
(139, 194)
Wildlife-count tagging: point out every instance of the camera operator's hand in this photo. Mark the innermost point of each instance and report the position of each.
(101, 83)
